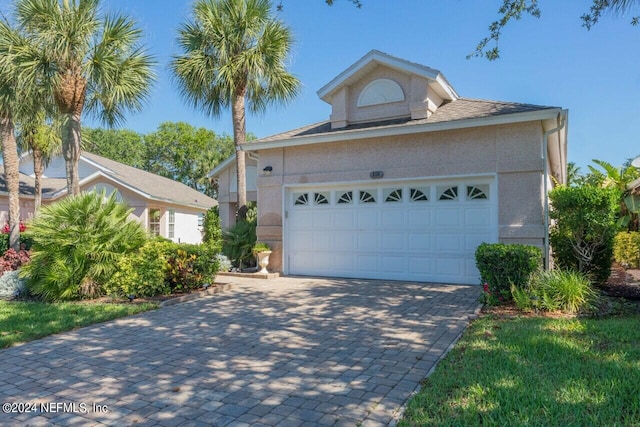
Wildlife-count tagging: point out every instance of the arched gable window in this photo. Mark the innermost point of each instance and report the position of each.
(380, 91)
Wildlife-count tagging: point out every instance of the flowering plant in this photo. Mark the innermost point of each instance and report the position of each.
(490, 297)
(6, 229)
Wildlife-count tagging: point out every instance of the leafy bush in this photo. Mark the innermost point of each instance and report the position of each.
(584, 229)
(239, 241)
(502, 265)
(190, 266)
(77, 243)
(564, 290)
(626, 248)
(25, 242)
(11, 286)
(141, 273)
(12, 260)
(260, 247)
(211, 227)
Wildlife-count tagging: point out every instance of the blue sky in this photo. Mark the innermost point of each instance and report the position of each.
(548, 61)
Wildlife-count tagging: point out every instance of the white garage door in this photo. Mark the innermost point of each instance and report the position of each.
(420, 230)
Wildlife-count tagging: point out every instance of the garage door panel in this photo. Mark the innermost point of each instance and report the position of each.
(367, 241)
(393, 241)
(322, 219)
(396, 265)
(477, 217)
(421, 265)
(344, 262)
(343, 219)
(322, 241)
(449, 217)
(300, 220)
(452, 266)
(345, 241)
(419, 218)
(473, 240)
(368, 218)
(420, 241)
(449, 242)
(303, 241)
(368, 263)
(393, 219)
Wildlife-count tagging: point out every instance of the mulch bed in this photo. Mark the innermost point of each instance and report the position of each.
(623, 283)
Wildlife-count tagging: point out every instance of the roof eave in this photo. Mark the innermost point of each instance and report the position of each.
(404, 129)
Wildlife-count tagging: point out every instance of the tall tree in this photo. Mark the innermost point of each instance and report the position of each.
(234, 53)
(122, 145)
(12, 91)
(619, 179)
(42, 139)
(89, 61)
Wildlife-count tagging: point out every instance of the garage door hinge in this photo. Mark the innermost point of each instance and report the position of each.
(286, 214)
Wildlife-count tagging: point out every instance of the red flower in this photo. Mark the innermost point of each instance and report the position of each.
(6, 229)
(485, 287)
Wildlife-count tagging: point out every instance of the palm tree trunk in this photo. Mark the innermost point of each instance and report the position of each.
(71, 151)
(38, 171)
(12, 177)
(239, 133)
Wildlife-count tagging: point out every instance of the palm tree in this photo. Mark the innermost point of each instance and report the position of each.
(11, 92)
(234, 52)
(620, 178)
(43, 141)
(88, 61)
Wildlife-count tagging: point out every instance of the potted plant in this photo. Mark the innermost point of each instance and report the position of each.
(262, 251)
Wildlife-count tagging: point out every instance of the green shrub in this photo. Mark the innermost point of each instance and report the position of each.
(502, 265)
(260, 247)
(77, 243)
(564, 290)
(626, 248)
(190, 266)
(584, 229)
(25, 242)
(239, 241)
(211, 227)
(141, 273)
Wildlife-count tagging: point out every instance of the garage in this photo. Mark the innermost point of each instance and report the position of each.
(419, 230)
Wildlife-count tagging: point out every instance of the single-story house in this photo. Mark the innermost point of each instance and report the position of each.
(165, 207)
(226, 178)
(406, 178)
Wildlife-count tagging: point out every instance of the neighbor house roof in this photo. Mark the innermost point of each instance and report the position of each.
(461, 113)
(147, 184)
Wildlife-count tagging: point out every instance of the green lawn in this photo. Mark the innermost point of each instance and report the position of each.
(26, 321)
(534, 372)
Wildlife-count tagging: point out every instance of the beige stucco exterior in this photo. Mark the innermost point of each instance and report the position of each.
(227, 190)
(512, 152)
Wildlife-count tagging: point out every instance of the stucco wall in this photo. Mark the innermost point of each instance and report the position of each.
(227, 190)
(512, 151)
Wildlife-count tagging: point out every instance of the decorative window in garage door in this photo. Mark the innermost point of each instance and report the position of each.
(300, 199)
(392, 195)
(448, 193)
(477, 192)
(419, 194)
(345, 198)
(366, 197)
(321, 198)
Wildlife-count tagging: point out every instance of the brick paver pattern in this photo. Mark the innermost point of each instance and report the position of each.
(284, 352)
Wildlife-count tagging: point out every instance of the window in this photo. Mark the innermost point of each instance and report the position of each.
(477, 192)
(321, 198)
(393, 195)
(301, 199)
(366, 197)
(346, 198)
(201, 220)
(419, 194)
(172, 223)
(154, 222)
(449, 193)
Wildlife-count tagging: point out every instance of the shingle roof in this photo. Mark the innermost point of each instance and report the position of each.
(152, 185)
(460, 109)
(156, 186)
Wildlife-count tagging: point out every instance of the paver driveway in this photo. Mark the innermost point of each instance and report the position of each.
(290, 351)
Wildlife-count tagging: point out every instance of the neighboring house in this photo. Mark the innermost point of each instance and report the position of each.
(165, 207)
(406, 178)
(227, 182)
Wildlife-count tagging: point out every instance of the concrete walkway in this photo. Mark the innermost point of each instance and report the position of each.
(283, 352)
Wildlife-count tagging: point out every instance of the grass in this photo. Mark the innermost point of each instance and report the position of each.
(536, 371)
(26, 321)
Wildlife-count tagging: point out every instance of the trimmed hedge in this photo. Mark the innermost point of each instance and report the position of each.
(502, 265)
